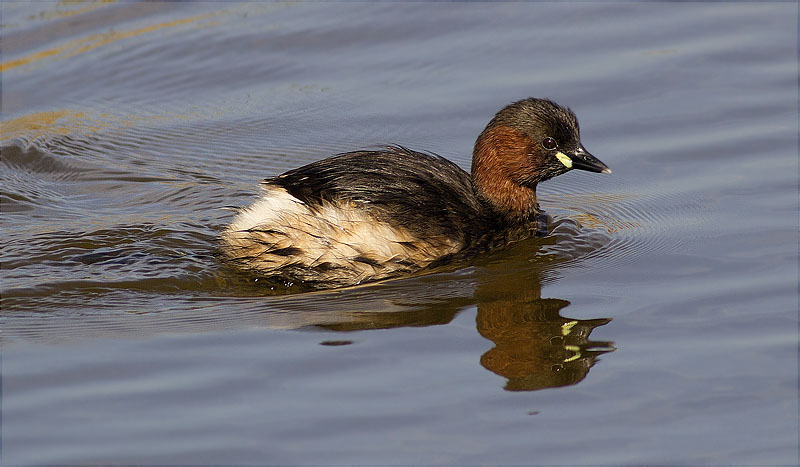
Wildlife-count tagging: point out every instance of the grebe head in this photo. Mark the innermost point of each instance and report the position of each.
(527, 142)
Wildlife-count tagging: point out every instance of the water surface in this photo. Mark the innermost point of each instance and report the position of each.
(657, 323)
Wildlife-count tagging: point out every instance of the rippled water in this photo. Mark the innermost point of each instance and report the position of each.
(657, 323)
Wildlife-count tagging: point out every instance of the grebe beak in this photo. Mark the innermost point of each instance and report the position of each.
(581, 159)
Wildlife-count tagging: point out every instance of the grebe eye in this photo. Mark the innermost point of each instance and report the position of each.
(549, 143)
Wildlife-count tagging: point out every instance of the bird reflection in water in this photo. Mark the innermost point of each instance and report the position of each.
(535, 347)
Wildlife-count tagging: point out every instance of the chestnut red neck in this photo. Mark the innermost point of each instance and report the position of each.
(503, 172)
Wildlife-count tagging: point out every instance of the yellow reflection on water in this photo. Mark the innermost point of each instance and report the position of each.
(69, 122)
(85, 44)
(58, 122)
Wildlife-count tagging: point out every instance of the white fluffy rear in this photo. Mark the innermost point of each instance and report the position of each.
(336, 243)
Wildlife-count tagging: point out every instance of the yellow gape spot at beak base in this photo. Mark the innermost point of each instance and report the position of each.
(564, 159)
(572, 348)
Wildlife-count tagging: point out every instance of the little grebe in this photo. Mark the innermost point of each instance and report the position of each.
(370, 215)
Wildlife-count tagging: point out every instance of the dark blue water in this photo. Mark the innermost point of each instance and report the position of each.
(657, 323)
